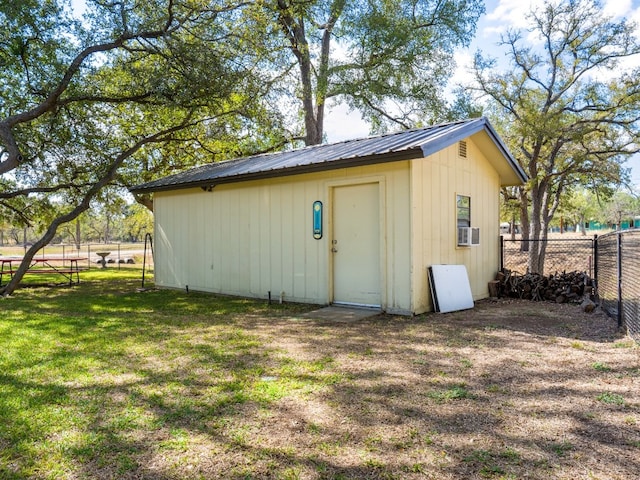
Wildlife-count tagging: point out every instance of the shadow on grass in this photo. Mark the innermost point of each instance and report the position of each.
(101, 381)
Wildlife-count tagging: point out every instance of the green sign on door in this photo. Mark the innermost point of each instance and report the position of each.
(317, 219)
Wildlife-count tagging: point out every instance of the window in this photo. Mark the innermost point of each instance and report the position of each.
(464, 211)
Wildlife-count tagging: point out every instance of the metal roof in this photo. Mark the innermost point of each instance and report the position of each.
(391, 147)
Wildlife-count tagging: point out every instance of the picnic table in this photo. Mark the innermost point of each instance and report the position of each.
(43, 266)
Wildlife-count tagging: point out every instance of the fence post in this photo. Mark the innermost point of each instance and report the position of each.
(595, 258)
(619, 279)
(501, 253)
(595, 280)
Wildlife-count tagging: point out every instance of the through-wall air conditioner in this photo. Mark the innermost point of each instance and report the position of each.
(468, 236)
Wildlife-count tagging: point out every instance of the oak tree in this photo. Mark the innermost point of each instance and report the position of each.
(88, 103)
(387, 59)
(566, 105)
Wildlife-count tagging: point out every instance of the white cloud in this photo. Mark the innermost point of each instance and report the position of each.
(509, 14)
(617, 8)
(341, 124)
(513, 13)
(463, 74)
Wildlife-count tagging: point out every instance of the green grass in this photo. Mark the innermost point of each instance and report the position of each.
(85, 370)
(451, 393)
(611, 398)
(601, 367)
(491, 464)
(561, 448)
(102, 380)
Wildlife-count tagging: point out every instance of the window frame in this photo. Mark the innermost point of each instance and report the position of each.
(465, 220)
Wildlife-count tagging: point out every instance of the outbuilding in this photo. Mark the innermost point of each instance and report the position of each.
(356, 222)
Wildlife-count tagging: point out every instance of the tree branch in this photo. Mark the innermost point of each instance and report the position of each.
(108, 177)
(52, 101)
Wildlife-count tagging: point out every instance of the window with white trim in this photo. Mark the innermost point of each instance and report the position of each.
(463, 217)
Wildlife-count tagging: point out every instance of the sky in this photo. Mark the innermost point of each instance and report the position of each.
(500, 15)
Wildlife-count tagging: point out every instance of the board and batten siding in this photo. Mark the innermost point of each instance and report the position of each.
(435, 183)
(249, 238)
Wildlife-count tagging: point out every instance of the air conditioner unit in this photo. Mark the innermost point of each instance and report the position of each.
(468, 236)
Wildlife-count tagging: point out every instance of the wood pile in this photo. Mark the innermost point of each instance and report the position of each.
(560, 287)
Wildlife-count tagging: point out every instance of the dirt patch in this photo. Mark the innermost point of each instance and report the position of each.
(510, 389)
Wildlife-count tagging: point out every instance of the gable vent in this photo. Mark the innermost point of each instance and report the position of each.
(462, 149)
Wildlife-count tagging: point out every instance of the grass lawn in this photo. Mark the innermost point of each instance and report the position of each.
(101, 381)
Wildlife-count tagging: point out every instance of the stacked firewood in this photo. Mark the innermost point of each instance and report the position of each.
(560, 287)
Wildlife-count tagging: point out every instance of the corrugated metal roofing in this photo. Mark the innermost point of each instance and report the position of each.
(384, 148)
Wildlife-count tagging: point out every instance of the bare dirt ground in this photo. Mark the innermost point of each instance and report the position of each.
(511, 389)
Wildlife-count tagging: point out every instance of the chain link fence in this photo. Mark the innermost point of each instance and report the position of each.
(613, 260)
(562, 255)
(618, 278)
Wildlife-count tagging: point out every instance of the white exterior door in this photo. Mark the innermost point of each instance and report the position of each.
(356, 244)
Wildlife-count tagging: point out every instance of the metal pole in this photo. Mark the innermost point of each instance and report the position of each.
(501, 253)
(619, 279)
(595, 257)
(594, 278)
(144, 255)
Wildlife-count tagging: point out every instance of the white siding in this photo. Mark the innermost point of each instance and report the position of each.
(435, 182)
(250, 238)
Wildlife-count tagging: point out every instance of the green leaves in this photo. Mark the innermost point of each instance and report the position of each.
(400, 57)
(92, 103)
(137, 90)
(387, 59)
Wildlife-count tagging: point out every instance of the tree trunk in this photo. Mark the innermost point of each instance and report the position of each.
(313, 127)
(542, 250)
(77, 234)
(145, 199)
(524, 220)
(583, 228)
(533, 261)
(294, 30)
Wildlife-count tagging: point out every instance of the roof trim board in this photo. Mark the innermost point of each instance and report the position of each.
(285, 172)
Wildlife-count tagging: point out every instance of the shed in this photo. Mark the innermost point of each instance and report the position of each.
(356, 222)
